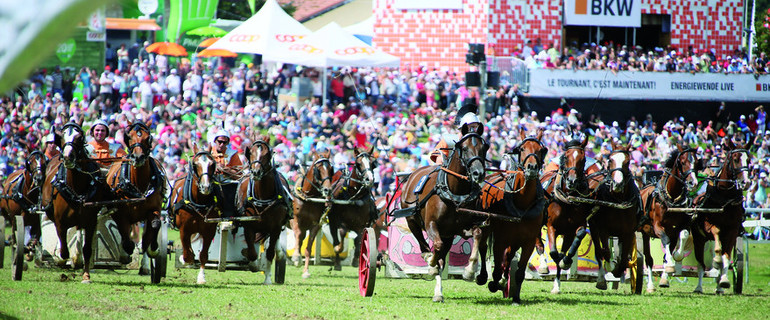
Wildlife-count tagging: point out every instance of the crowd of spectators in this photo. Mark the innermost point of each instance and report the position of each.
(617, 57)
(403, 114)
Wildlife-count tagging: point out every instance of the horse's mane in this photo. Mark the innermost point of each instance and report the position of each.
(669, 163)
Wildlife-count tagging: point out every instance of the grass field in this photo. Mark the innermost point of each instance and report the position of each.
(58, 294)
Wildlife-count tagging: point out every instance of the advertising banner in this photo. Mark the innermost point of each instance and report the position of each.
(632, 85)
(604, 13)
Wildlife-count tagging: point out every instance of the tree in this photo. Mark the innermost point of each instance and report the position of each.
(762, 27)
(240, 10)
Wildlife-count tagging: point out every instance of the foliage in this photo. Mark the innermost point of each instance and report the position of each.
(58, 294)
(240, 10)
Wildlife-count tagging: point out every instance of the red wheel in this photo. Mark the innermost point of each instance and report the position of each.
(367, 263)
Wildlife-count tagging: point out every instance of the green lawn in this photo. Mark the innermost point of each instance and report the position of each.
(58, 294)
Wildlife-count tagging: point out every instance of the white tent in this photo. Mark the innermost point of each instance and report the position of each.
(364, 28)
(333, 46)
(264, 33)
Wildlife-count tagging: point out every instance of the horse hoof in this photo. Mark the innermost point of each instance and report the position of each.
(481, 279)
(267, 283)
(305, 275)
(678, 257)
(201, 281)
(516, 303)
(719, 292)
(337, 267)
(354, 263)
(493, 286)
(564, 265)
(438, 298)
(253, 266)
(601, 285)
(650, 290)
(468, 275)
(698, 291)
(144, 272)
(86, 281)
(555, 291)
(432, 271)
(663, 283)
(724, 283)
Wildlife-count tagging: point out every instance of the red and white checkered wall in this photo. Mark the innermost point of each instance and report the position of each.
(438, 38)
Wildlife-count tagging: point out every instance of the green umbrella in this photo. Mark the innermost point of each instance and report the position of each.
(207, 31)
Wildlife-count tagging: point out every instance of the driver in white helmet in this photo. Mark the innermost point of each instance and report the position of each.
(99, 147)
(229, 162)
(469, 122)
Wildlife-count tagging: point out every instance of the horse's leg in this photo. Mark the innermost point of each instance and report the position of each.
(207, 233)
(579, 235)
(299, 236)
(188, 257)
(64, 251)
(250, 252)
(526, 252)
(150, 235)
(678, 253)
(124, 229)
(438, 245)
(626, 249)
(483, 241)
(90, 232)
(699, 242)
(499, 264)
(543, 265)
(728, 243)
(270, 255)
(557, 256)
(440, 258)
(717, 247)
(601, 246)
(668, 260)
(470, 270)
(648, 262)
(357, 246)
(311, 238)
(417, 228)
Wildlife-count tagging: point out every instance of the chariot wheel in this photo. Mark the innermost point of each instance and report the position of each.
(280, 262)
(511, 285)
(2, 241)
(738, 265)
(17, 264)
(367, 263)
(636, 274)
(222, 267)
(160, 262)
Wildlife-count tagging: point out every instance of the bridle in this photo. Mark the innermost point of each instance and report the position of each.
(144, 145)
(198, 176)
(624, 170)
(317, 181)
(679, 167)
(258, 175)
(579, 172)
(77, 144)
(361, 172)
(39, 174)
(538, 158)
(733, 171)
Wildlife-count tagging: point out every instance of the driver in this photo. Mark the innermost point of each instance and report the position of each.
(51, 150)
(99, 148)
(229, 162)
(468, 123)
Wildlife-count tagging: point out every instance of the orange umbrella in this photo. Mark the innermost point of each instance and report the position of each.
(208, 42)
(167, 49)
(208, 53)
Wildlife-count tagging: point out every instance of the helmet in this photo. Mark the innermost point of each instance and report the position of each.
(469, 118)
(51, 137)
(220, 133)
(100, 123)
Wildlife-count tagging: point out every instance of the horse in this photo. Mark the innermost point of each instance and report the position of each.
(262, 195)
(72, 180)
(354, 187)
(315, 183)
(433, 194)
(565, 217)
(672, 190)
(518, 196)
(724, 191)
(139, 176)
(614, 185)
(192, 200)
(21, 195)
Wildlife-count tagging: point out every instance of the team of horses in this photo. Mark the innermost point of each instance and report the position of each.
(508, 207)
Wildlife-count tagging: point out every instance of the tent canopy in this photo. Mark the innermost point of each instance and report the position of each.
(268, 29)
(363, 28)
(333, 46)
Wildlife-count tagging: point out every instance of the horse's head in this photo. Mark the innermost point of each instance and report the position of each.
(139, 143)
(618, 169)
(260, 157)
(572, 164)
(471, 151)
(202, 167)
(533, 152)
(35, 166)
(321, 172)
(684, 166)
(74, 142)
(737, 163)
(364, 165)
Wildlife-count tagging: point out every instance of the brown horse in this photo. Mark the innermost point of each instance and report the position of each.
(724, 191)
(565, 217)
(433, 194)
(21, 195)
(192, 200)
(139, 176)
(672, 190)
(615, 185)
(71, 181)
(316, 183)
(262, 195)
(354, 187)
(518, 196)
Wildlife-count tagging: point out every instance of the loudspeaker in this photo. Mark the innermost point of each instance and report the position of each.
(472, 79)
(493, 78)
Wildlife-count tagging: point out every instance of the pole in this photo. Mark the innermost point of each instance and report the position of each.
(752, 31)
(483, 89)
(325, 89)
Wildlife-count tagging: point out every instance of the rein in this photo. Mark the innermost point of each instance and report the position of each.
(302, 194)
(187, 198)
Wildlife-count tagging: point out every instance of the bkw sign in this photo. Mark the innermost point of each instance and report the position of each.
(603, 13)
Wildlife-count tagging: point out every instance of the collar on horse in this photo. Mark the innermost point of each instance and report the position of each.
(298, 190)
(187, 199)
(534, 209)
(260, 205)
(125, 188)
(65, 190)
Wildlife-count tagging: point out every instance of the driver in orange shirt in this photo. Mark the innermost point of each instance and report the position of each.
(229, 162)
(100, 148)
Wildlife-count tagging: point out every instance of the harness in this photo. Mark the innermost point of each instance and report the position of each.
(534, 209)
(67, 192)
(298, 190)
(125, 188)
(187, 199)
